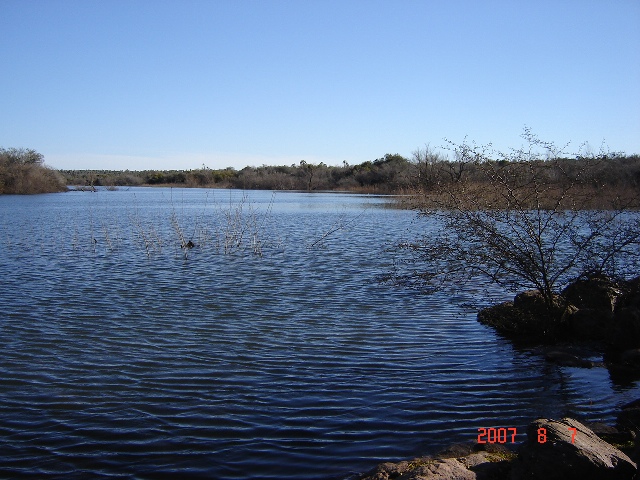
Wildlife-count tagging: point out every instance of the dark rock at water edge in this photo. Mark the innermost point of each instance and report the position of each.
(528, 317)
(594, 309)
(567, 359)
(596, 292)
(509, 320)
(626, 328)
(553, 452)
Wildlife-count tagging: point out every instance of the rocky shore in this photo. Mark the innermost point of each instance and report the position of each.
(593, 310)
(563, 449)
(595, 314)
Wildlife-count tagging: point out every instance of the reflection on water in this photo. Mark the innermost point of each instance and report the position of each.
(125, 355)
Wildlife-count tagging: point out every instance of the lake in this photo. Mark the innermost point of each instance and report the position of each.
(268, 350)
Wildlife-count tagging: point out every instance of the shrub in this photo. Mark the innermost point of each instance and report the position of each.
(532, 219)
(22, 171)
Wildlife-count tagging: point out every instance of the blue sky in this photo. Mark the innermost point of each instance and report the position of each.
(142, 84)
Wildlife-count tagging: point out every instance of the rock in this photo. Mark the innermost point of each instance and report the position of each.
(532, 301)
(422, 469)
(458, 462)
(528, 317)
(490, 465)
(602, 429)
(610, 434)
(442, 469)
(387, 470)
(566, 359)
(489, 461)
(507, 319)
(529, 300)
(560, 458)
(626, 328)
(594, 308)
(514, 323)
(629, 417)
(590, 324)
(631, 297)
(627, 316)
(623, 367)
(596, 292)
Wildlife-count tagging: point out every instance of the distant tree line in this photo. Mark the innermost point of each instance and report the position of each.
(425, 171)
(23, 171)
(389, 174)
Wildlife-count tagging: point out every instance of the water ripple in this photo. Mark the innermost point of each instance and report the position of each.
(297, 364)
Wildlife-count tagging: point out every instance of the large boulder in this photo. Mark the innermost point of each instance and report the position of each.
(591, 324)
(595, 297)
(532, 301)
(626, 328)
(529, 316)
(596, 292)
(555, 453)
(509, 320)
(631, 297)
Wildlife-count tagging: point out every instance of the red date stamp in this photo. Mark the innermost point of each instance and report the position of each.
(502, 435)
(496, 435)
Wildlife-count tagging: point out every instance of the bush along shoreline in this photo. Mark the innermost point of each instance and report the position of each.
(22, 171)
(425, 171)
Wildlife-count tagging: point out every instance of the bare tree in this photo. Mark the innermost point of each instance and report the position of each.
(429, 166)
(525, 221)
(21, 156)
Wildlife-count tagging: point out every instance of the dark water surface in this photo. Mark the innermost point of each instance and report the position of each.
(125, 356)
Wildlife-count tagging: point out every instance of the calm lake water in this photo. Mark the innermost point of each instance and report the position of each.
(269, 350)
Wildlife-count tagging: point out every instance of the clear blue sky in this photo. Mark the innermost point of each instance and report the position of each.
(177, 84)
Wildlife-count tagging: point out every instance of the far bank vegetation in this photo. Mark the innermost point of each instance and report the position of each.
(425, 172)
(390, 174)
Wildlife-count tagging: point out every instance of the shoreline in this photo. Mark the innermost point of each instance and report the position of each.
(584, 450)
